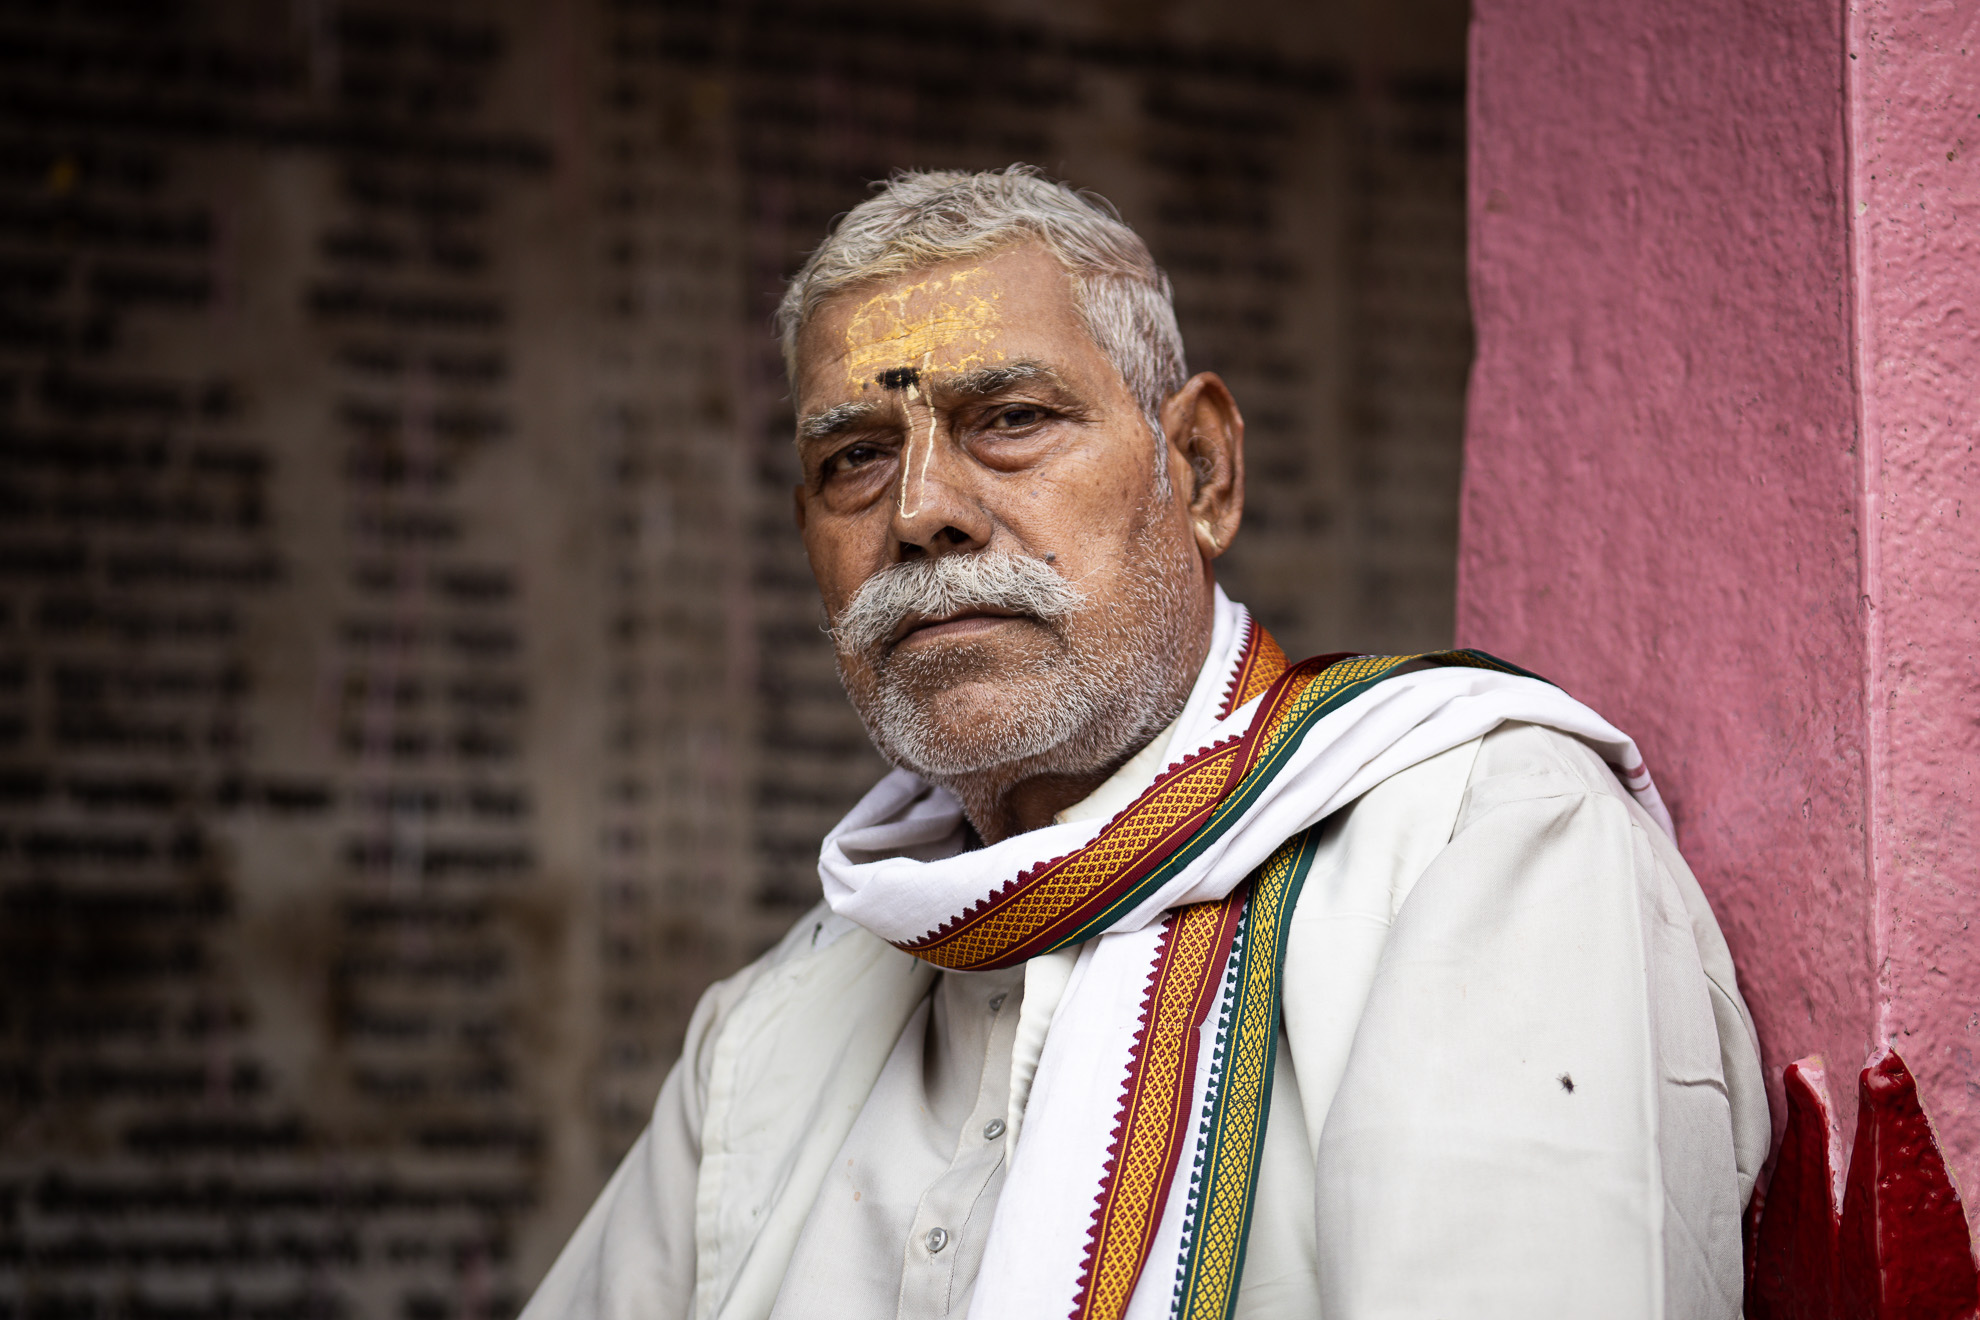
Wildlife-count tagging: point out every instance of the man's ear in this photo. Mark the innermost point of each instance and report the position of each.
(1206, 459)
(797, 505)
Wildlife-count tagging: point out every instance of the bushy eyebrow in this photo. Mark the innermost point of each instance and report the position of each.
(831, 421)
(994, 380)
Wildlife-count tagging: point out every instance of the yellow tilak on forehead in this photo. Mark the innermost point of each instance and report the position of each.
(952, 334)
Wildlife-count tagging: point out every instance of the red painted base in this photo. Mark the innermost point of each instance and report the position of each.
(1796, 1263)
(1893, 1244)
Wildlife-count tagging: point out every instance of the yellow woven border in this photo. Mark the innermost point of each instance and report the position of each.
(1076, 879)
(1230, 1171)
(1155, 1112)
(1263, 660)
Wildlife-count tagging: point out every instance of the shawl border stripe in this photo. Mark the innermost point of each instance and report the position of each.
(1187, 808)
(1261, 661)
(1152, 1124)
(1218, 1223)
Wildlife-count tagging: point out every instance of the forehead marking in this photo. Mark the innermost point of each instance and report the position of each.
(950, 330)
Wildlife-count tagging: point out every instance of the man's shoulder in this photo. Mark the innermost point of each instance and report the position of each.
(1393, 832)
(822, 964)
(820, 936)
(1519, 762)
(817, 931)
(1533, 769)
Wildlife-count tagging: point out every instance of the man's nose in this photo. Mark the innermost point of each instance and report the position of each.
(937, 509)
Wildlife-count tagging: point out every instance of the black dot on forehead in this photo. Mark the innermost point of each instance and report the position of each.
(899, 378)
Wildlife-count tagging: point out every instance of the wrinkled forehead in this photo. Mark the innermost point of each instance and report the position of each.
(950, 319)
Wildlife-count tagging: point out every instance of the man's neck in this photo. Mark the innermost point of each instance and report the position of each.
(1000, 806)
(1008, 800)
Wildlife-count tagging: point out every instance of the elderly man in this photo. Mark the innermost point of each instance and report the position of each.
(1164, 977)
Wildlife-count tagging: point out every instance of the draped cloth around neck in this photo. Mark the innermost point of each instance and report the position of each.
(1129, 1193)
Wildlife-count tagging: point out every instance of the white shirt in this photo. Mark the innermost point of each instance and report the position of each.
(1514, 1077)
(904, 1213)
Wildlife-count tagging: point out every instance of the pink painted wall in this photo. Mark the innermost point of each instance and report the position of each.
(1915, 100)
(1666, 498)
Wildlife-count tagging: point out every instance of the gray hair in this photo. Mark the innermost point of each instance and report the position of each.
(924, 217)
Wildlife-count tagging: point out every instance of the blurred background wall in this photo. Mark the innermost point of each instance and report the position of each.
(411, 690)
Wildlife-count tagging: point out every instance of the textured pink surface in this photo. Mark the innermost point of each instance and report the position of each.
(1916, 91)
(1665, 499)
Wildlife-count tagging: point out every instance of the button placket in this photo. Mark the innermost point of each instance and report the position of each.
(949, 1222)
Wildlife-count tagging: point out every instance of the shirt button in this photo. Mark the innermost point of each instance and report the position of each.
(996, 1002)
(937, 1239)
(993, 1129)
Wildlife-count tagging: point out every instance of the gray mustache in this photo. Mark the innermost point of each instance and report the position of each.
(1000, 580)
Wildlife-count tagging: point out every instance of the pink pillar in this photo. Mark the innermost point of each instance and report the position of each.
(1720, 473)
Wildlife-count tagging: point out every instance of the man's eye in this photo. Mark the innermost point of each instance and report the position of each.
(1014, 419)
(851, 457)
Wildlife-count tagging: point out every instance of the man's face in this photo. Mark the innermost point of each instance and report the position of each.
(1011, 579)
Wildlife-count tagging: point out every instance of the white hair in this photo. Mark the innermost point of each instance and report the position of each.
(920, 218)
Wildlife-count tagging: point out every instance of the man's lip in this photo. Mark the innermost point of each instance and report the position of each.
(962, 621)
